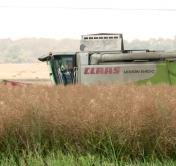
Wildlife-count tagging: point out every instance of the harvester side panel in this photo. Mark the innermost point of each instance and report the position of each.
(117, 73)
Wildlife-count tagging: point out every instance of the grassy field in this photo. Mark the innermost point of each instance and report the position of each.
(104, 125)
(61, 159)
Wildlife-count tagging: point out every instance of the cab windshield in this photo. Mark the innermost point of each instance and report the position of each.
(64, 67)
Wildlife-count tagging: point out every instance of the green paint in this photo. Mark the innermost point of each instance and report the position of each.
(51, 72)
(165, 73)
(172, 72)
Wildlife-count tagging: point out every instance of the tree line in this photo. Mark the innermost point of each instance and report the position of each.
(28, 50)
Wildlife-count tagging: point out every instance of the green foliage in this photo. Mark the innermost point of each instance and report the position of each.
(61, 159)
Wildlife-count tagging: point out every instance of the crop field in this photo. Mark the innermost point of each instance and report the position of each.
(30, 73)
(88, 125)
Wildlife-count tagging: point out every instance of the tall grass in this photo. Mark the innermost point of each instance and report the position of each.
(59, 159)
(122, 123)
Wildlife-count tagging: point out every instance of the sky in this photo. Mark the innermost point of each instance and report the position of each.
(141, 19)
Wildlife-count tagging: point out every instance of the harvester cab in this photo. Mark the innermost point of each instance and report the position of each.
(61, 67)
(103, 59)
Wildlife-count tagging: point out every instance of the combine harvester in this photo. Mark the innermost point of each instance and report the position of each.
(103, 59)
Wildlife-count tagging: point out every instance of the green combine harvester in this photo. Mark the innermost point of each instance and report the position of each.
(103, 59)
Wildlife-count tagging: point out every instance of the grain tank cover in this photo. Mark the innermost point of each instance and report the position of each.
(102, 42)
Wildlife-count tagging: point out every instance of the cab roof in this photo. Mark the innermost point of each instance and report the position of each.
(55, 54)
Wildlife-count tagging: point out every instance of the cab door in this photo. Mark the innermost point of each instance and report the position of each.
(64, 67)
